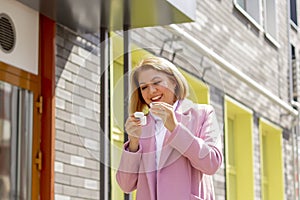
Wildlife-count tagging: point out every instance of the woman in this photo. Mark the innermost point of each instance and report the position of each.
(167, 158)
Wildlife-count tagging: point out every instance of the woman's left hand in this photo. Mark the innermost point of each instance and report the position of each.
(166, 113)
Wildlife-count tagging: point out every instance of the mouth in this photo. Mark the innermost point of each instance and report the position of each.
(156, 98)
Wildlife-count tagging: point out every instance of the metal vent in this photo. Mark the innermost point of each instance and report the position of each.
(7, 33)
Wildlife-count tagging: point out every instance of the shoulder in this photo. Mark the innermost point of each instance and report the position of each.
(187, 106)
(205, 108)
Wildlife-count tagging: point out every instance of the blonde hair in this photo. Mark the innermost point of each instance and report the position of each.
(137, 102)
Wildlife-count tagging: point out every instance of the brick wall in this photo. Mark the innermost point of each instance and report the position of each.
(220, 27)
(223, 29)
(77, 116)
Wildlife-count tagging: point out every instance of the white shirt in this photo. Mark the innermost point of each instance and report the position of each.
(160, 132)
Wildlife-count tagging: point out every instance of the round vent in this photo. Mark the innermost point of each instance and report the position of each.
(7, 33)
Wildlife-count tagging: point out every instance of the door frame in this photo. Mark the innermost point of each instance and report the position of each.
(43, 85)
(31, 82)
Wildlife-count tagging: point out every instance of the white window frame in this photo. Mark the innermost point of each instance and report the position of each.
(272, 37)
(257, 24)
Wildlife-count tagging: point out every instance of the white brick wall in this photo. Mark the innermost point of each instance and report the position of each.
(227, 32)
(59, 167)
(78, 161)
(62, 197)
(77, 132)
(91, 184)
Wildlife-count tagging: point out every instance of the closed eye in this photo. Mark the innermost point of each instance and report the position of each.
(143, 87)
(157, 82)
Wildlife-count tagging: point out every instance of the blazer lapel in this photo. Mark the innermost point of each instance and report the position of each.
(148, 158)
(168, 153)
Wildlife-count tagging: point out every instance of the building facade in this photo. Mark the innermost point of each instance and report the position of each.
(239, 56)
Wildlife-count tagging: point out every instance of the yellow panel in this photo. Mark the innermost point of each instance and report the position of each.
(116, 150)
(199, 91)
(239, 151)
(117, 107)
(117, 123)
(244, 156)
(231, 143)
(137, 53)
(232, 186)
(272, 166)
(228, 184)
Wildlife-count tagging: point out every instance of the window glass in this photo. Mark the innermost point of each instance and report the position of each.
(271, 24)
(241, 3)
(294, 73)
(15, 142)
(293, 10)
(252, 7)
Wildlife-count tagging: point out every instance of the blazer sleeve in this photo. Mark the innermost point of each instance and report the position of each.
(127, 174)
(201, 147)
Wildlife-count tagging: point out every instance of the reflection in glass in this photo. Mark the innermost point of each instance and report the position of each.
(15, 142)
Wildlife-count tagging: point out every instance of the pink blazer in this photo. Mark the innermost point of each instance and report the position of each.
(188, 155)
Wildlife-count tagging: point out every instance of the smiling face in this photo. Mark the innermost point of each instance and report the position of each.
(156, 86)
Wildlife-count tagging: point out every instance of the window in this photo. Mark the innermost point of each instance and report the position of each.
(250, 8)
(294, 74)
(293, 11)
(238, 151)
(272, 166)
(15, 142)
(270, 19)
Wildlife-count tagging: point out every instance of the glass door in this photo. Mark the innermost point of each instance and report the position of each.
(16, 133)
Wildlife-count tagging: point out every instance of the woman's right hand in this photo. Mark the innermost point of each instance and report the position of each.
(134, 130)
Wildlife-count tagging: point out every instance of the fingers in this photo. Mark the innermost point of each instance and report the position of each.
(163, 111)
(132, 120)
(161, 108)
(133, 126)
(161, 105)
(166, 113)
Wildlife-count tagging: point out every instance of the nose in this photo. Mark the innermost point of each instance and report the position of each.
(152, 88)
